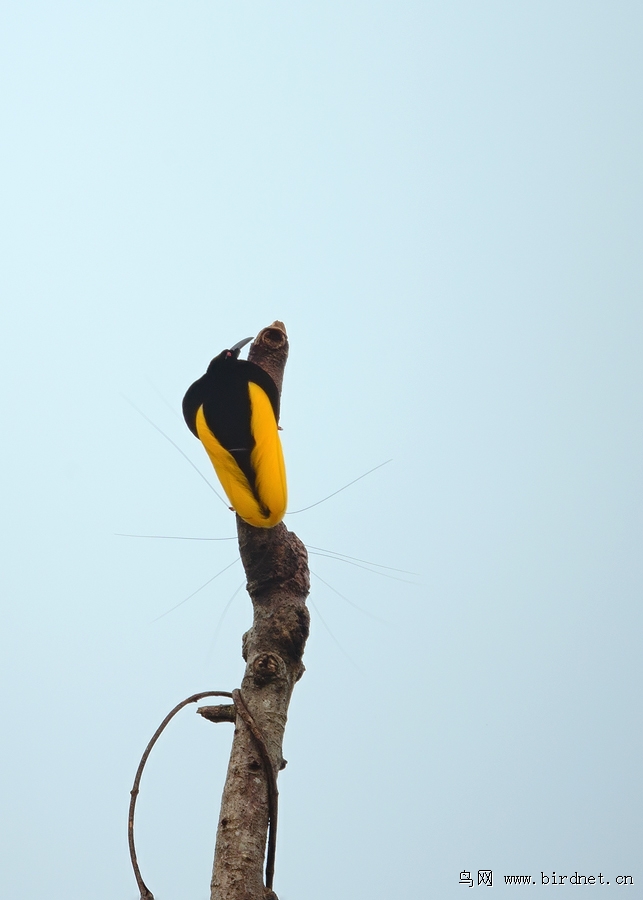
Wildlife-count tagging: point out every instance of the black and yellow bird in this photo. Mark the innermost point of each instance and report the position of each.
(234, 411)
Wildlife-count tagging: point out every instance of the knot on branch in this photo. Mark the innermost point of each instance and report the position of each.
(267, 667)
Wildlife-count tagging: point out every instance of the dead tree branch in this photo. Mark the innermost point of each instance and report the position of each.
(278, 581)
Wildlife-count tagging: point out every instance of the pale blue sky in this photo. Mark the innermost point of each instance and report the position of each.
(443, 204)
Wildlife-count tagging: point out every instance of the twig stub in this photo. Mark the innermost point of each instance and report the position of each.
(223, 713)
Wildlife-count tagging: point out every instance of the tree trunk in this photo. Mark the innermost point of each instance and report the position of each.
(278, 581)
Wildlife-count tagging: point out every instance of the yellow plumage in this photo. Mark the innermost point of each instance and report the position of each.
(267, 462)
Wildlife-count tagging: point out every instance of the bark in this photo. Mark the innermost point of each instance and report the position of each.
(278, 581)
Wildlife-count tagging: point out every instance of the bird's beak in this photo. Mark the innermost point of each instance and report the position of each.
(240, 344)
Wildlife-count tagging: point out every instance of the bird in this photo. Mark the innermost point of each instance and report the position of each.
(234, 411)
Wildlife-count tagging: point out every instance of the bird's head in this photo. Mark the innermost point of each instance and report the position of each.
(229, 355)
